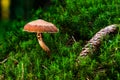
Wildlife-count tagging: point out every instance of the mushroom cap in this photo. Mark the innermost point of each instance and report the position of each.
(40, 26)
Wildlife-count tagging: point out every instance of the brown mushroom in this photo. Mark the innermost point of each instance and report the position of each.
(40, 26)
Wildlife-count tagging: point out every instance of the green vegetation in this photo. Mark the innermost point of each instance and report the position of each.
(78, 18)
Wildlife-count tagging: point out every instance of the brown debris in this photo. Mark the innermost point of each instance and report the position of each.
(94, 43)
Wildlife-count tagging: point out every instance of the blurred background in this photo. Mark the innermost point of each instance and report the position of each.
(12, 9)
(16, 10)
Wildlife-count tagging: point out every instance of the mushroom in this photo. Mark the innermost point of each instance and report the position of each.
(41, 26)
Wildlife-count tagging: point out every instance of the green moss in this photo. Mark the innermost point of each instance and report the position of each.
(78, 19)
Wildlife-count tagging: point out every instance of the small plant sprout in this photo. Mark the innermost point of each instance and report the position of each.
(40, 26)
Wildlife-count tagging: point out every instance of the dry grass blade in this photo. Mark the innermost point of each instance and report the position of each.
(4, 61)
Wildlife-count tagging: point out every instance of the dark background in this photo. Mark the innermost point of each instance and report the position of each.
(23, 8)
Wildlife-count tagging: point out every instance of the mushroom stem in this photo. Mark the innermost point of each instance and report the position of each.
(42, 44)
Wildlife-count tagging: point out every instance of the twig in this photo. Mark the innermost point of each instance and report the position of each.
(73, 39)
(4, 61)
(44, 67)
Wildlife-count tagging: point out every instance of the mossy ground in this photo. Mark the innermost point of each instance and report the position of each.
(77, 18)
